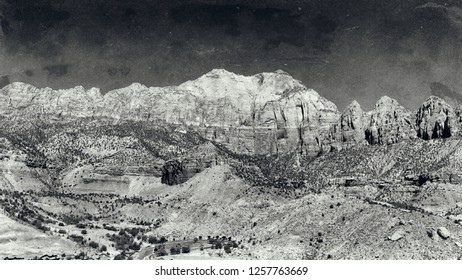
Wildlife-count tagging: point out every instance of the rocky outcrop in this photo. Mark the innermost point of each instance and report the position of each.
(436, 119)
(350, 128)
(173, 173)
(300, 120)
(194, 161)
(388, 123)
(397, 235)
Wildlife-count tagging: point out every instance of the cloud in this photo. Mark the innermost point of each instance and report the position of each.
(443, 91)
(349, 49)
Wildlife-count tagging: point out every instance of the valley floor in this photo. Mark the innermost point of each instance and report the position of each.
(217, 215)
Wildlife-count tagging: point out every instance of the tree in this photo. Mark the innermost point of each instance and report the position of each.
(186, 249)
(152, 239)
(161, 251)
(135, 246)
(175, 250)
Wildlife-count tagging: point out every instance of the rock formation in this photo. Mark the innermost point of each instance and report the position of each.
(436, 119)
(268, 113)
(388, 123)
(194, 161)
(350, 127)
(173, 173)
(262, 114)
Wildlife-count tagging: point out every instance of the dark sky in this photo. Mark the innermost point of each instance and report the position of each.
(343, 49)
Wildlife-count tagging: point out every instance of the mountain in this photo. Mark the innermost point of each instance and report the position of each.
(436, 119)
(389, 122)
(259, 164)
(268, 113)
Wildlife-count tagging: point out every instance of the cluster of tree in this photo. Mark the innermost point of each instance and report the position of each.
(17, 207)
(126, 239)
(178, 249)
(223, 242)
(154, 240)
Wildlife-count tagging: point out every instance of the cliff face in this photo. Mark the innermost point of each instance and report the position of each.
(268, 113)
(388, 123)
(350, 127)
(436, 119)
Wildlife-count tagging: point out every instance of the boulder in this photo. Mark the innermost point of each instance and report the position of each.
(397, 235)
(443, 232)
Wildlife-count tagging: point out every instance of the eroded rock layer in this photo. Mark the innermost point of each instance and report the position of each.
(268, 113)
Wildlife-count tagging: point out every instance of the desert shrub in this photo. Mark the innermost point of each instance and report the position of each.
(119, 257)
(62, 231)
(111, 228)
(81, 256)
(227, 248)
(134, 231)
(163, 239)
(84, 231)
(76, 238)
(93, 245)
(103, 248)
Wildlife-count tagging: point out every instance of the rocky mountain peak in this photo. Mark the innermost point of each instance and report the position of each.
(387, 102)
(436, 119)
(351, 124)
(354, 105)
(388, 123)
(220, 83)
